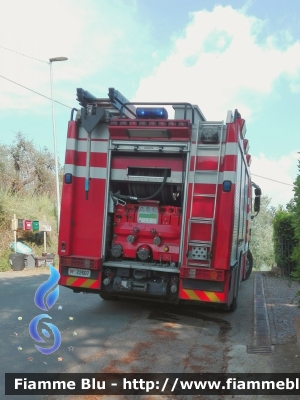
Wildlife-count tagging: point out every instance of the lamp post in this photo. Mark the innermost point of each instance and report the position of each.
(51, 60)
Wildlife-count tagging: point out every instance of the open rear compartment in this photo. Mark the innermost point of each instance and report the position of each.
(145, 207)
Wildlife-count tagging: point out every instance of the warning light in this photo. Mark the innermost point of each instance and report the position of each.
(226, 186)
(166, 248)
(192, 273)
(150, 112)
(213, 275)
(68, 178)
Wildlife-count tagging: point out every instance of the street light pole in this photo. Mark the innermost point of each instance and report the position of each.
(51, 60)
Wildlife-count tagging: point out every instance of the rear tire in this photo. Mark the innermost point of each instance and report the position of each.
(107, 296)
(234, 303)
(249, 265)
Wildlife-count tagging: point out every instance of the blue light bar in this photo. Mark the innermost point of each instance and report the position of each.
(147, 112)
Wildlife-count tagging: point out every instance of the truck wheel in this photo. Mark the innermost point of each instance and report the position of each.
(107, 296)
(249, 265)
(233, 306)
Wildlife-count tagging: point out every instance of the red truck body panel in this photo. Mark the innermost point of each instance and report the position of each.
(155, 208)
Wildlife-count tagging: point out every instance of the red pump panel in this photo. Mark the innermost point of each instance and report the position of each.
(148, 226)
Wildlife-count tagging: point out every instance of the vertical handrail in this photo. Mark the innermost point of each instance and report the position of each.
(88, 164)
(217, 182)
(193, 187)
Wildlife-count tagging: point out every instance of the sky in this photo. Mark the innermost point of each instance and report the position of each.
(220, 55)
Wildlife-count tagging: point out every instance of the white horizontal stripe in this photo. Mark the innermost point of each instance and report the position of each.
(69, 169)
(149, 143)
(80, 172)
(226, 148)
(116, 174)
(209, 152)
(121, 175)
(72, 144)
(229, 176)
(102, 147)
(100, 132)
(80, 145)
(211, 177)
(231, 149)
(204, 177)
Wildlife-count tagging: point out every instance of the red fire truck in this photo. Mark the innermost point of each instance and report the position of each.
(155, 207)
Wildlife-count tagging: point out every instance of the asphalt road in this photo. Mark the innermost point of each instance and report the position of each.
(125, 336)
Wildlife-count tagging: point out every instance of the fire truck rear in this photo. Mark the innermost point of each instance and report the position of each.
(155, 207)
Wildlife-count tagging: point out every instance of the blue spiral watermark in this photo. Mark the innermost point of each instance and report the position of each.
(44, 300)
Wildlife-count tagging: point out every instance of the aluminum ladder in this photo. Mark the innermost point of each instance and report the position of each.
(201, 223)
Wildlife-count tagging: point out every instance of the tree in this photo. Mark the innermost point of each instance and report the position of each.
(26, 169)
(261, 244)
(284, 236)
(296, 224)
(27, 189)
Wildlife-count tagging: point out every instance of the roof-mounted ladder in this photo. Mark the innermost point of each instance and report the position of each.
(116, 103)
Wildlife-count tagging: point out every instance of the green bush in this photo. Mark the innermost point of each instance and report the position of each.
(296, 225)
(261, 236)
(30, 207)
(4, 261)
(284, 232)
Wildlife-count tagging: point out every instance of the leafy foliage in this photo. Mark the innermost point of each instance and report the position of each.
(296, 224)
(284, 234)
(27, 189)
(261, 236)
(26, 169)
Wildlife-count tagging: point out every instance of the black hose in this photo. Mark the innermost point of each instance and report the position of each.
(120, 196)
(72, 113)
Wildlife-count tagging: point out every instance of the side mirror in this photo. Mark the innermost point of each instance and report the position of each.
(257, 204)
(257, 191)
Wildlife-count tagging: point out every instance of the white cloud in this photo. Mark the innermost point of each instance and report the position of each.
(95, 36)
(37, 29)
(221, 63)
(280, 174)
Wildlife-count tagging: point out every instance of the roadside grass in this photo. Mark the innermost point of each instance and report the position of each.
(31, 207)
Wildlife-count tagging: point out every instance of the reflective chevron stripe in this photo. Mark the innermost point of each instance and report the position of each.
(199, 295)
(82, 282)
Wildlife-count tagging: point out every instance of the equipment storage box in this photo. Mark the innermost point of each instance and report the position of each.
(40, 261)
(49, 257)
(29, 260)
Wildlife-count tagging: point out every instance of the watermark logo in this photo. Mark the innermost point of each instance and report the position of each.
(45, 297)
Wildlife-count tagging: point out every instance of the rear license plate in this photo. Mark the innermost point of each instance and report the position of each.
(86, 273)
